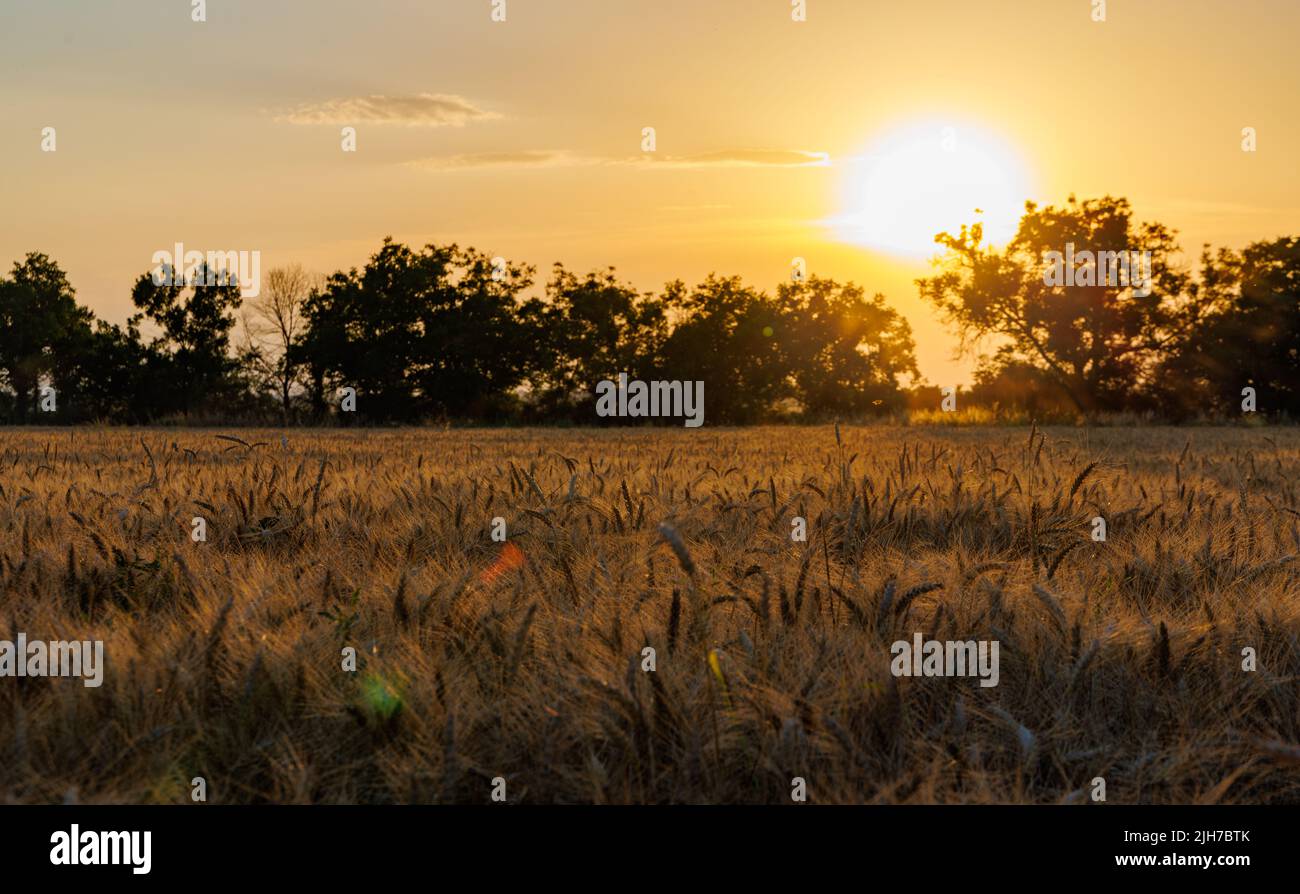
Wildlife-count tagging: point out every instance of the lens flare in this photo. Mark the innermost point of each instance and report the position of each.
(510, 558)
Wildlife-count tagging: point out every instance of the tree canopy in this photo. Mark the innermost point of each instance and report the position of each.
(1084, 311)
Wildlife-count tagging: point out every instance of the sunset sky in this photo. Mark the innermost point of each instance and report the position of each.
(775, 139)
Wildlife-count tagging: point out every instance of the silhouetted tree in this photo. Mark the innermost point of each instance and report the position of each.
(1097, 343)
(1245, 332)
(189, 364)
(106, 379)
(844, 352)
(723, 333)
(448, 332)
(40, 325)
(478, 336)
(591, 328)
(439, 331)
(275, 322)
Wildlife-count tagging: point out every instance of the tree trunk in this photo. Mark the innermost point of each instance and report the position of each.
(21, 392)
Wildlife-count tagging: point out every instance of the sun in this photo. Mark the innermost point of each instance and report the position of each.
(927, 178)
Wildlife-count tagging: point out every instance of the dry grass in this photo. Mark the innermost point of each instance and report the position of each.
(1119, 659)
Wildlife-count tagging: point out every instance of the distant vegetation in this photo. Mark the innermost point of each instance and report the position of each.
(443, 333)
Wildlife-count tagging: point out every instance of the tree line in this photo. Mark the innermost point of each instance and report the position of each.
(448, 333)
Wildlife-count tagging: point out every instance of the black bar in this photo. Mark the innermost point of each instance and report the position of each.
(618, 847)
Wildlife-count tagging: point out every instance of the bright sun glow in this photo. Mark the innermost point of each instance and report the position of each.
(925, 179)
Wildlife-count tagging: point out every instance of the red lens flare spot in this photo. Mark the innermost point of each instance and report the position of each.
(510, 558)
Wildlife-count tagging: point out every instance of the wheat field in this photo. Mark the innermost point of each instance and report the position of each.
(523, 661)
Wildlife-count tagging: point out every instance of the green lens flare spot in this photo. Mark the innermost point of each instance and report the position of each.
(380, 697)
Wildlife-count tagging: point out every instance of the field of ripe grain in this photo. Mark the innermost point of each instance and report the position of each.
(523, 660)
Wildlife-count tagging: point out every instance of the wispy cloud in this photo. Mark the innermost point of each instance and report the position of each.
(527, 158)
(740, 158)
(417, 110)
(561, 158)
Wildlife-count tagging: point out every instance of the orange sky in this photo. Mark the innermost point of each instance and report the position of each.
(523, 137)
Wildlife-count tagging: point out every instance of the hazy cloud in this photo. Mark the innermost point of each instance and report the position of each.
(559, 158)
(526, 158)
(418, 110)
(742, 158)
